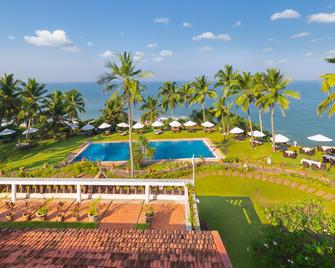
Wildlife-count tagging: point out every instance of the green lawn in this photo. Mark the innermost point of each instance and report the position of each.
(233, 206)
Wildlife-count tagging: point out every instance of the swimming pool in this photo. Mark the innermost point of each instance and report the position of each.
(164, 150)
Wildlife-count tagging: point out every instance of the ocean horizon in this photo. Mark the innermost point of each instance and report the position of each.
(300, 122)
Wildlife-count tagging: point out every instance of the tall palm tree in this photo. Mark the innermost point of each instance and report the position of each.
(276, 94)
(74, 103)
(126, 74)
(328, 83)
(9, 97)
(259, 91)
(32, 95)
(114, 110)
(186, 92)
(202, 92)
(55, 108)
(246, 97)
(227, 78)
(151, 108)
(220, 110)
(170, 96)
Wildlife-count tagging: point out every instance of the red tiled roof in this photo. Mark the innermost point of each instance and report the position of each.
(111, 248)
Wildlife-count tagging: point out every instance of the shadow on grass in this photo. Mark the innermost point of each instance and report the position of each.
(238, 224)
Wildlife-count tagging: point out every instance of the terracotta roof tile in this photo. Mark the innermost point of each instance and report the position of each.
(111, 248)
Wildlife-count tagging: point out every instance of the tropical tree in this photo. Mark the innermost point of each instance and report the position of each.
(246, 96)
(114, 110)
(127, 75)
(32, 94)
(169, 94)
(227, 79)
(74, 103)
(275, 94)
(55, 109)
(202, 92)
(9, 97)
(259, 91)
(186, 93)
(220, 110)
(151, 108)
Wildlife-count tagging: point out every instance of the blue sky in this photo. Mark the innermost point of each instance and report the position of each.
(71, 40)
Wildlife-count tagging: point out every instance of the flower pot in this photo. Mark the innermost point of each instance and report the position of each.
(9, 217)
(41, 217)
(60, 217)
(26, 217)
(149, 218)
(92, 218)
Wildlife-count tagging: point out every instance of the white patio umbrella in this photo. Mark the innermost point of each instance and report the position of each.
(122, 125)
(190, 124)
(87, 127)
(7, 132)
(207, 124)
(104, 126)
(175, 124)
(236, 130)
(319, 138)
(138, 125)
(256, 134)
(280, 139)
(30, 130)
(157, 124)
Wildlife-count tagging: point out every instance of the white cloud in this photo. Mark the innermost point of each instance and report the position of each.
(186, 24)
(322, 17)
(237, 24)
(331, 52)
(268, 49)
(11, 37)
(299, 35)
(139, 55)
(107, 54)
(45, 38)
(308, 54)
(71, 48)
(212, 36)
(286, 14)
(272, 40)
(162, 20)
(157, 59)
(166, 53)
(152, 45)
(270, 62)
(90, 44)
(205, 48)
(282, 61)
(316, 40)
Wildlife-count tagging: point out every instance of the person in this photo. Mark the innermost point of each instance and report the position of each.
(245, 166)
(295, 143)
(268, 161)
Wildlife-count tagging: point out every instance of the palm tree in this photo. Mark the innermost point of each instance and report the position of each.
(170, 96)
(74, 103)
(202, 91)
(55, 108)
(114, 110)
(328, 83)
(152, 110)
(259, 91)
(9, 97)
(227, 78)
(32, 95)
(246, 97)
(220, 110)
(275, 94)
(186, 92)
(127, 74)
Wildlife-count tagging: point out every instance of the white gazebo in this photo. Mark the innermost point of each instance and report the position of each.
(122, 125)
(256, 134)
(138, 125)
(87, 127)
(7, 132)
(104, 126)
(281, 139)
(190, 124)
(236, 130)
(30, 130)
(157, 124)
(319, 138)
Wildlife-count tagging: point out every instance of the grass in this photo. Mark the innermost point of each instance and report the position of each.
(233, 206)
(47, 224)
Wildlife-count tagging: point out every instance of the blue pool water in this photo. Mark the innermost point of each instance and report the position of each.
(164, 150)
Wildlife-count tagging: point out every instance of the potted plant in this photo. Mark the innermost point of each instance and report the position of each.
(60, 211)
(10, 214)
(42, 212)
(149, 214)
(93, 210)
(75, 212)
(27, 214)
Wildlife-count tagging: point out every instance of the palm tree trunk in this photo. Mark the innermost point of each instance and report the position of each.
(2, 115)
(273, 129)
(250, 125)
(130, 123)
(260, 119)
(203, 112)
(222, 124)
(27, 135)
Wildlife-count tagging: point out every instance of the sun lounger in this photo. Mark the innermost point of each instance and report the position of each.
(124, 133)
(158, 132)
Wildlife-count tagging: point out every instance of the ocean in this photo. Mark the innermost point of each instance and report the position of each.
(300, 122)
